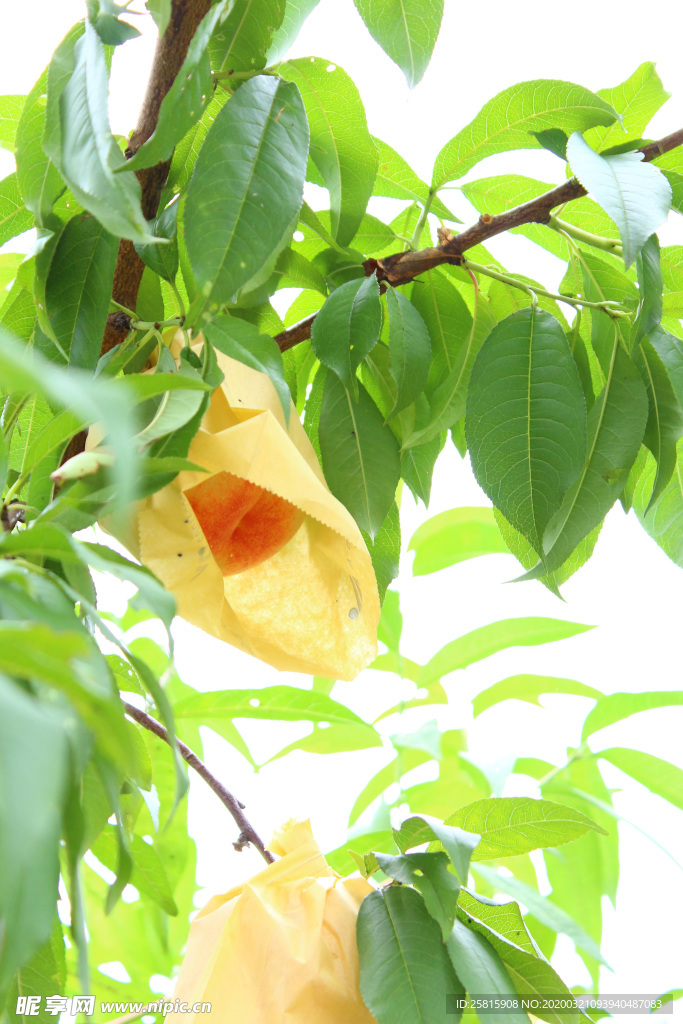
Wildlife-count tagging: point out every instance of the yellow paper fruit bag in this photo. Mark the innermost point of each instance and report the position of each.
(280, 949)
(292, 583)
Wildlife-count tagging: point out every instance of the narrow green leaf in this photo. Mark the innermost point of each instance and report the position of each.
(497, 636)
(161, 12)
(665, 419)
(660, 777)
(650, 288)
(409, 349)
(617, 706)
(85, 151)
(454, 536)
(78, 289)
(281, 703)
(664, 521)
(38, 178)
(482, 972)
(244, 342)
(508, 120)
(341, 145)
(513, 825)
(669, 348)
(405, 971)
(526, 420)
(246, 187)
(635, 194)
(359, 454)
(406, 30)
(43, 976)
(186, 100)
(347, 328)
(529, 688)
(616, 423)
(459, 844)
(541, 907)
(385, 550)
(336, 739)
(520, 547)
(417, 466)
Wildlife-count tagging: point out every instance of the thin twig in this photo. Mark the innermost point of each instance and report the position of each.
(247, 832)
(402, 267)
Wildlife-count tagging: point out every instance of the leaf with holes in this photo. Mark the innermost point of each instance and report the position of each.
(280, 703)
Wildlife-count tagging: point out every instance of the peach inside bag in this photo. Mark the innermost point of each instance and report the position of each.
(281, 948)
(311, 606)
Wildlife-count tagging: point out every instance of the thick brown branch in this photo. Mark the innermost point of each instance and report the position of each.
(403, 267)
(247, 832)
(170, 53)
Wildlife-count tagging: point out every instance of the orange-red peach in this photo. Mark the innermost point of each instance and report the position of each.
(243, 524)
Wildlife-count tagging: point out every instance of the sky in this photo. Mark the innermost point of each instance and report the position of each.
(629, 590)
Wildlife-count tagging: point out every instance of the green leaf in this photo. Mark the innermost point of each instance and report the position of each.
(513, 825)
(482, 972)
(454, 536)
(347, 328)
(665, 419)
(459, 844)
(85, 151)
(526, 420)
(520, 547)
(617, 706)
(541, 907)
(664, 521)
(34, 769)
(39, 180)
(429, 873)
(507, 121)
(10, 112)
(405, 972)
(417, 466)
(359, 454)
(636, 101)
(245, 37)
(385, 550)
(531, 976)
(671, 164)
(669, 348)
(78, 289)
(529, 688)
(634, 193)
(497, 636)
(554, 140)
(14, 217)
(94, 401)
(406, 30)
(246, 187)
(296, 13)
(448, 320)
(336, 739)
(163, 258)
(186, 100)
(397, 180)
(341, 145)
(161, 13)
(660, 777)
(616, 423)
(650, 288)
(148, 874)
(281, 703)
(242, 341)
(410, 349)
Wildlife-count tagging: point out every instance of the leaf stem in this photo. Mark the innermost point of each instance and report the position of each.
(422, 220)
(612, 245)
(157, 325)
(609, 306)
(248, 834)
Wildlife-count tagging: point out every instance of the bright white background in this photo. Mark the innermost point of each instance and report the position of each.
(629, 589)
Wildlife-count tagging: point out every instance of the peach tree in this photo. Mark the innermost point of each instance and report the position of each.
(403, 337)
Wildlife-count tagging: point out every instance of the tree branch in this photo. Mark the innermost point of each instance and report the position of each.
(403, 267)
(247, 832)
(169, 55)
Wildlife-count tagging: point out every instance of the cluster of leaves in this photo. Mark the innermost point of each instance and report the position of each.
(381, 383)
